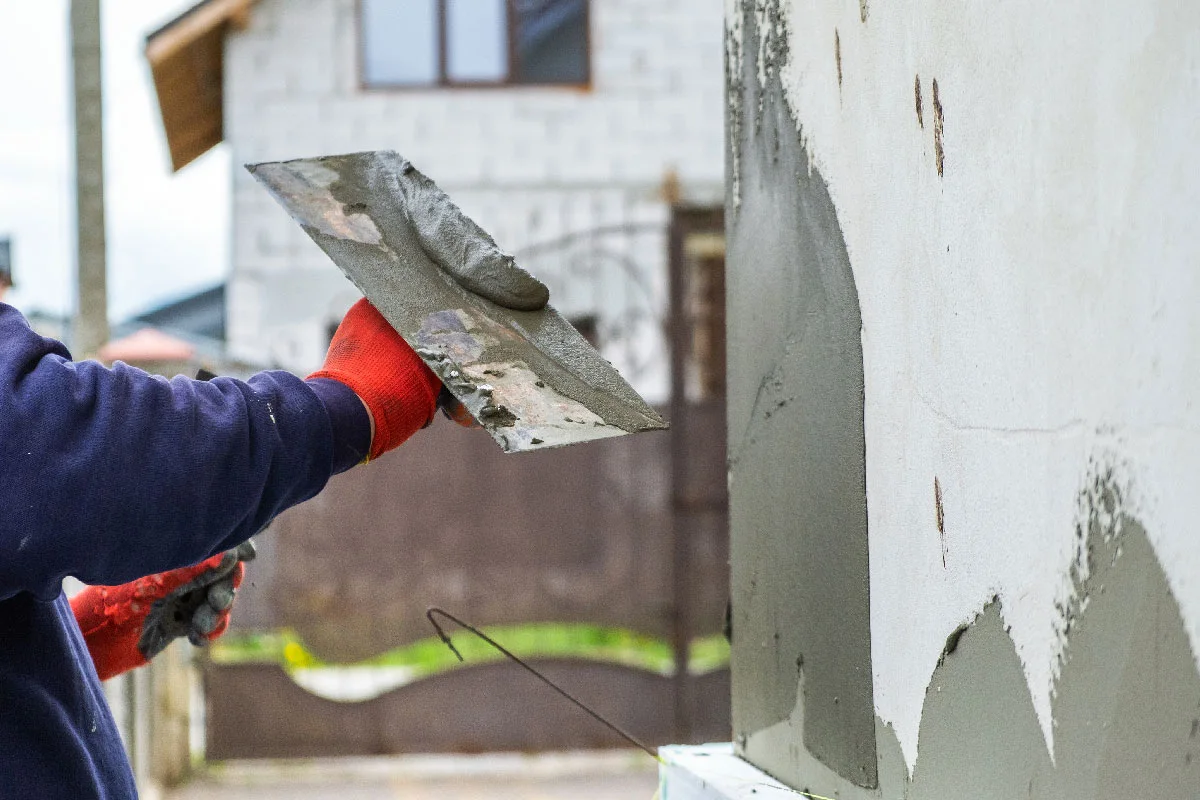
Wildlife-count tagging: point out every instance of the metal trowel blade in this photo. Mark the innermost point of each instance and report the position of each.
(529, 378)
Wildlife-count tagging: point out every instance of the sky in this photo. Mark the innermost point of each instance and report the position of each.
(167, 233)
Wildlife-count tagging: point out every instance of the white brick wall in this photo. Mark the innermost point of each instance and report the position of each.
(529, 163)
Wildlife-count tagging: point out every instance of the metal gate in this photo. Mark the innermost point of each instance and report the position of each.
(629, 533)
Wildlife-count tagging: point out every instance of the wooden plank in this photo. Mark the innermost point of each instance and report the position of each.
(200, 21)
(187, 63)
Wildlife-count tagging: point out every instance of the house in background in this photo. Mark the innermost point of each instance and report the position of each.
(178, 337)
(587, 137)
(569, 129)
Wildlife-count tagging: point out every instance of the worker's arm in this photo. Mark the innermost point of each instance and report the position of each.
(113, 474)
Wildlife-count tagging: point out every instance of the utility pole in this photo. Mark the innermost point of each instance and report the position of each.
(91, 313)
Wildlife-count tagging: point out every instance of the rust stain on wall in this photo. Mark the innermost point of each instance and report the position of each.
(837, 55)
(919, 103)
(938, 148)
(940, 515)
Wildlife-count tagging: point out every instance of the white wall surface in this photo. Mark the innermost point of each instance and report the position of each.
(1033, 309)
(530, 164)
(713, 772)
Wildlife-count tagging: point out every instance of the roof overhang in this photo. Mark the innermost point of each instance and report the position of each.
(187, 60)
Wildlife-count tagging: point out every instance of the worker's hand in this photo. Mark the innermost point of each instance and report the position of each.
(367, 354)
(399, 391)
(125, 626)
(464, 250)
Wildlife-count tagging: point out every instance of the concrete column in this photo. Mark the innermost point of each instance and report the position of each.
(91, 315)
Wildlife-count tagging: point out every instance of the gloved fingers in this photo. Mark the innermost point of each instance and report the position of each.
(246, 551)
(185, 579)
(204, 620)
(220, 595)
(464, 250)
(222, 626)
(207, 625)
(177, 583)
(195, 608)
(158, 632)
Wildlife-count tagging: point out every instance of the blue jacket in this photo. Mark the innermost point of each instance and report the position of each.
(112, 474)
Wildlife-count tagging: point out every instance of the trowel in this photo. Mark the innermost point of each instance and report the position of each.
(528, 377)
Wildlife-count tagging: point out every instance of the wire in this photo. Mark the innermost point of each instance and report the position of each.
(594, 715)
(445, 638)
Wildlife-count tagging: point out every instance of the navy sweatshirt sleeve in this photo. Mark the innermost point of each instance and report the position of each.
(112, 474)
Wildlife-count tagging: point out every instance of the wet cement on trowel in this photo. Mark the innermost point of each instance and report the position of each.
(529, 377)
(798, 508)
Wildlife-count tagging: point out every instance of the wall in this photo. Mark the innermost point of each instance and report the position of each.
(1001, 199)
(530, 164)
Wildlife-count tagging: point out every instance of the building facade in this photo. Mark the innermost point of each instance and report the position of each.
(963, 424)
(571, 157)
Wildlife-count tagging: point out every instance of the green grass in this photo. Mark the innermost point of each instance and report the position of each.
(542, 640)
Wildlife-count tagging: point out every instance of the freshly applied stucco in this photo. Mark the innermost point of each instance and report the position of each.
(1016, 187)
(798, 510)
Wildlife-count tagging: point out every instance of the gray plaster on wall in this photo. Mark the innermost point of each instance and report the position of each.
(1126, 703)
(1126, 706)
(801, 604)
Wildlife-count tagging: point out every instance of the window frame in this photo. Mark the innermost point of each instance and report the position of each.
(443, 80)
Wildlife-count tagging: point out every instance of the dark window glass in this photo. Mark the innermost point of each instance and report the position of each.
(552, 41)
(486, 42)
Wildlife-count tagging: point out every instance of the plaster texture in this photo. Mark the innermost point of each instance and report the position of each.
(798, 506)
(1016, 187)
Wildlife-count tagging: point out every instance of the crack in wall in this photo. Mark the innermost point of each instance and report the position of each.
(1074, 427)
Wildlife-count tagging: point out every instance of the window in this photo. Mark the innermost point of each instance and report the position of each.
(474, 42)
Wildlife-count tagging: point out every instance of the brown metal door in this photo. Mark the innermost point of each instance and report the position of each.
(629, 533)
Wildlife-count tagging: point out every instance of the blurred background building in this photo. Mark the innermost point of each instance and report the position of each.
(567, 128)
(587, 137)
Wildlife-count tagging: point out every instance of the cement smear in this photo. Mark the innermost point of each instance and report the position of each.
(357, 207)
(798, 507)
(1126, 704)
(465, 250)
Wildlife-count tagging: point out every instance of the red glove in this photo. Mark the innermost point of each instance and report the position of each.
(368, 355)
(125, 626)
